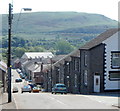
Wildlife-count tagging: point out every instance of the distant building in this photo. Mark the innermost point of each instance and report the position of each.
(33, 65)
(37, 55)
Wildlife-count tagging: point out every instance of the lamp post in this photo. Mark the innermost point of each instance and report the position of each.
(10, 17)
(25, 9)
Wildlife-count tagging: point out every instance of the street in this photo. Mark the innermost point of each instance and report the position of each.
(45, 100)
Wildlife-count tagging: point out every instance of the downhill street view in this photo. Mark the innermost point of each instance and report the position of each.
(43, 100)
(61, 54)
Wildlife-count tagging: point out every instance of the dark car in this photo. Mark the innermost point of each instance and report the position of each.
(59, 88)
(18, 80)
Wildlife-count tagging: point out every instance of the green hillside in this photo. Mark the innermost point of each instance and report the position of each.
(51, 25)
(57, 32)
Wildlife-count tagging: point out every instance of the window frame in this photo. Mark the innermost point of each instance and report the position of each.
(85, 59)
(113, 79)
(85, 77)
(114, 67)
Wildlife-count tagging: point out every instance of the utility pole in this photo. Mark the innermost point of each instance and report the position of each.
(10, 17)
(51, 74)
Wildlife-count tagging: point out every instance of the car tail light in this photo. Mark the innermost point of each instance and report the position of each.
(56, 88)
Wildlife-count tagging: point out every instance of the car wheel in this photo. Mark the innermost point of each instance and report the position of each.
(65, 93)
(55, 93)
(52, 92)
(22, 92)
(30, 92)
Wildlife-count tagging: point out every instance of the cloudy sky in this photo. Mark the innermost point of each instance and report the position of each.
(108, 8)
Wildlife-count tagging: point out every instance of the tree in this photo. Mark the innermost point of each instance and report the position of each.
(36, 49)
(19, 51)
(64, 47)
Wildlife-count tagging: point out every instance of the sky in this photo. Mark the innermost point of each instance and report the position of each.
(108, 8)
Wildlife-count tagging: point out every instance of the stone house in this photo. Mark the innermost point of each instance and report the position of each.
(63, 71)
(100, 63)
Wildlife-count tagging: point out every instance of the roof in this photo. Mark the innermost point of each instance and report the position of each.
(75, 53)
(3, 66)
(33, 67)
(99, 39)
(34, 55)
(57, 57)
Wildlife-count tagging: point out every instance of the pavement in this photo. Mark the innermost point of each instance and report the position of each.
(4, 101)
(112, 99)
(109, 98)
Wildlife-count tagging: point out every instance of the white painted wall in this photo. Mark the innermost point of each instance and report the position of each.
(111, 45)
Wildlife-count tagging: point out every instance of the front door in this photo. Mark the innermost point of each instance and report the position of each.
(96, 83)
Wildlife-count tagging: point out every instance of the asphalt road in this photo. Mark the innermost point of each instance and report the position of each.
(44, 100)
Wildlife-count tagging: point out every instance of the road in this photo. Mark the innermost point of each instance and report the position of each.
(45, 100)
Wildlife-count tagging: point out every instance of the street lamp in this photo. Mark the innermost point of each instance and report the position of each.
(25, 9)
(10, 17)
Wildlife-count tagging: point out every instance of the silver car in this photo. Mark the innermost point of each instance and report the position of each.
(26, 88)
(59, 88)
(15, 89)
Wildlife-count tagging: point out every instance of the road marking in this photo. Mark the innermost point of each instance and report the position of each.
(15, 102)
(57, 100)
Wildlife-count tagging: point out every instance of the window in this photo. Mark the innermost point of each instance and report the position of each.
(85, 59)
(114, 75)
(115, 60)
(85, 77)
(76, 64)
(75, 80)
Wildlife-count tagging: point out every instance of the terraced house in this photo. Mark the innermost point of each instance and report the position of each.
(100, 63)
(94, 67)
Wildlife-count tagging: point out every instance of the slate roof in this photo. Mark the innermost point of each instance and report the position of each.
(3, 66)
(75, 53)
(99, 39)
(34, 55)
(57, 58)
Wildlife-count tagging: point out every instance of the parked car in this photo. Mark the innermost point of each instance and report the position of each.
(39, 86)
(22, 76)
(18, 70)
(28, 79)
(35, 89)
(59, 88)
(18, 80)
(26, 88)
(15, 89)
(31, 85)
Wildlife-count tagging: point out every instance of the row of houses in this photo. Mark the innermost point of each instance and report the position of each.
(94, 67)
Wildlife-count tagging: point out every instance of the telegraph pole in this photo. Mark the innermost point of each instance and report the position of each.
(10, 17)
(51, 74)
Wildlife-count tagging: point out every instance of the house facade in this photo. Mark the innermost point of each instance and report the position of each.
(100, 63)
(112, 63)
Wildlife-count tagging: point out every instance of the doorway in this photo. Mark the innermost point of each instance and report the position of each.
(96, 83)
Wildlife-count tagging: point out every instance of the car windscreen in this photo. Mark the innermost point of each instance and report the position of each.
(61, 86)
